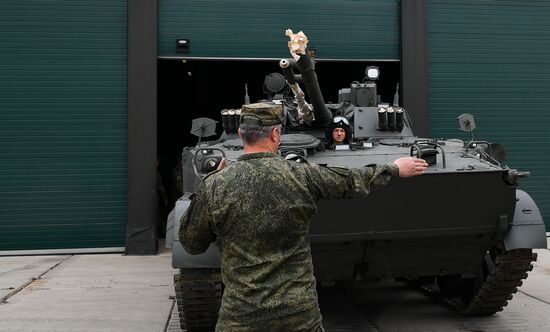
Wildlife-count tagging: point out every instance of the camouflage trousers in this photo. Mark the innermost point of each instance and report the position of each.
(306, 321)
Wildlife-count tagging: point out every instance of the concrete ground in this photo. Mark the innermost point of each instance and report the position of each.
(108, 292)
(395, 307)
(112, 292)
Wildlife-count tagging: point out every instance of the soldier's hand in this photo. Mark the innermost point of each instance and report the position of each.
(410, 166)
(222, 164)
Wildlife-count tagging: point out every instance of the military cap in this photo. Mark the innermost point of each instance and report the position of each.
(261, 114)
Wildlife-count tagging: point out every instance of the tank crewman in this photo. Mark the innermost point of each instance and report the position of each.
(259, 209)
(339, 131)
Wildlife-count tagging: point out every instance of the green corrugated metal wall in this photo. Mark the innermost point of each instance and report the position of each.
(492, 59)
(63, 124)
(340, 29)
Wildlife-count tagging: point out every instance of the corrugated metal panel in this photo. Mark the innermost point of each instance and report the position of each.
(250, 28)
(492, 59)
(63, 124)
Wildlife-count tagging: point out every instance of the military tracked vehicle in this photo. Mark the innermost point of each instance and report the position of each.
(464, 225)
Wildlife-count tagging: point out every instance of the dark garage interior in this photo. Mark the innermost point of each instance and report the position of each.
(193, 88)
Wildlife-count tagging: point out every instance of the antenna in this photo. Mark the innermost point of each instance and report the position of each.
(396, 96)
(246, 97)
(203, 127)
(467, 124)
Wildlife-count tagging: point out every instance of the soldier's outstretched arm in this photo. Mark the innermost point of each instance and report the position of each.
(195, 231)
(337, 182)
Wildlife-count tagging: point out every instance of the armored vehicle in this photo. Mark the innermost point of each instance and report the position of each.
(464, 225)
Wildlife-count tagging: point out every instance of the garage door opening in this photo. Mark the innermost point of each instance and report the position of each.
(193, 88)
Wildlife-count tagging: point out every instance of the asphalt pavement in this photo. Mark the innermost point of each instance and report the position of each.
(113, 292)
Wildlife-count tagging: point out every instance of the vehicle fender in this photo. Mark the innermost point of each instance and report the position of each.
(180, 257)
(528, 229)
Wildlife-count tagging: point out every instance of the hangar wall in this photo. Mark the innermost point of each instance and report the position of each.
(63, 126)
(490, 58)
(340, 29)
(63, 91)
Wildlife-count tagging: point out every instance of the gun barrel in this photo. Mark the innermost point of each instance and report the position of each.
(286, 66)
(307, 76)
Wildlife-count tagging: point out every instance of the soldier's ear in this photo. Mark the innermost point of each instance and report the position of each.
(275, 134)
(239, 132)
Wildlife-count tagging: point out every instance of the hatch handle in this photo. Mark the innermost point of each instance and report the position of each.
(422, 147)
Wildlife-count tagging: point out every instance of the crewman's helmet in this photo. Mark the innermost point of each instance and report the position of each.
(339, 122)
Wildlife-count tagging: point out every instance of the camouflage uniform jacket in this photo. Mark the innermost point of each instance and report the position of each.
(259, 208)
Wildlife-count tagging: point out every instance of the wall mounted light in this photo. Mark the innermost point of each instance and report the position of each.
(182, 45)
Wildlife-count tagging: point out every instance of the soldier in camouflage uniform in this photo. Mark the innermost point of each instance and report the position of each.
(259, 209)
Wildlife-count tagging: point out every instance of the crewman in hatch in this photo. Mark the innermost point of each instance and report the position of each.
(339, 131)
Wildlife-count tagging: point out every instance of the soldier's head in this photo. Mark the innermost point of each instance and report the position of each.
(260, 124)
(339, 131)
